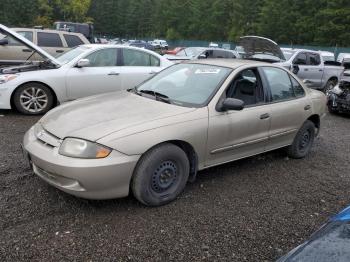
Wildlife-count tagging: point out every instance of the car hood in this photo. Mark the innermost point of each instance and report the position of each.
(254, 46)
(98, 116)
(7, 31)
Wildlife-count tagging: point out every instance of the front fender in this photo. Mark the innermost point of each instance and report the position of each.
(193, 132)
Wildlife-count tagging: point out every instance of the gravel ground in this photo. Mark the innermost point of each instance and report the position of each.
(250, 210)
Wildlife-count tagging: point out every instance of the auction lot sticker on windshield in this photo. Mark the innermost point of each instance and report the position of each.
(207, 71)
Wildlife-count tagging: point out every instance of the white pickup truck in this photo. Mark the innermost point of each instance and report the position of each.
(308, 65)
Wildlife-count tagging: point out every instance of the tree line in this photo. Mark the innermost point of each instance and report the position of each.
(305, 22)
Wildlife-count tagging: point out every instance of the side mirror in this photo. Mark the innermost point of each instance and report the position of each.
(4, 41)
(83, 63)
(295, 69)
(202, 56)
(231, 104)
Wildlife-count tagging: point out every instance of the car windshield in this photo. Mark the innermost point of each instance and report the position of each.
(288, 54)
(190, 85)
(190, 51)
(71, 54)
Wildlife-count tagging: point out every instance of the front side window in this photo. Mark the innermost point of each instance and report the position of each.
(138, 58)
(71, 54)
(73, 40)
(49, 40)
(191, 85)
(247, 87)
(300, 59)
(104, 57)
(13, 42)
(279, 83)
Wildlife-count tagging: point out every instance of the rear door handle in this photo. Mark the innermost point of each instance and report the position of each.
(265, 116)
(308, 107)
(113, 74)
(306, 69)
(27, 50)
(59, 51)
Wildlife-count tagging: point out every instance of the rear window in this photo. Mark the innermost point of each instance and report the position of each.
(49, 40)
(73, 40)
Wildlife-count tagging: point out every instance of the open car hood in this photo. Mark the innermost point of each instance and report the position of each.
(261, 48)
(7, 31)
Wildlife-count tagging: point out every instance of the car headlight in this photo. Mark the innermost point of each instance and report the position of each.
(79, 148)
(6, 78)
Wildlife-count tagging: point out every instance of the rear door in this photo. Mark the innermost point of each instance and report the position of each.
(288, 106)
(137, 66)
(315, 70)
(103, 75)
(51, 43)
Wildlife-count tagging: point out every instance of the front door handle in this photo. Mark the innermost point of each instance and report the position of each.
(27, 50)
(59, 51)
(308, 107)
(265, 116)
(113, 74)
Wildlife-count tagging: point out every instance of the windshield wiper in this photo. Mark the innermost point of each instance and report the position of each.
(158, 96)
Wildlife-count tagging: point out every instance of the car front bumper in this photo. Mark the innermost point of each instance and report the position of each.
(5, 95)
(105, 178)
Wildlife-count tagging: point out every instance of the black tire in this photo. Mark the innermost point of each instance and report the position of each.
(33, 99)
(160, 175)
(330, 85)
(303, 141)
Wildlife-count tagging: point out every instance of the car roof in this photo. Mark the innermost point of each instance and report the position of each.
(230, 63)
(44, 30)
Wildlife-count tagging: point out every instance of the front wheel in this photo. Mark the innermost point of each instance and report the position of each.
(160, 175)
(33, 99)
(303, 141)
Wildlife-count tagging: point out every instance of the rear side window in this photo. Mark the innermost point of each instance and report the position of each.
(300, 59)
(280, 84)
(298, 89)
(138, 58)
(73, 40)
(49, 40)
(314, 59)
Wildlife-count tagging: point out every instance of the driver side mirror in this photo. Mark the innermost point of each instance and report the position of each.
(83, 63)
(4, 41)
(295, 69)
(202, 56)
(231, 104)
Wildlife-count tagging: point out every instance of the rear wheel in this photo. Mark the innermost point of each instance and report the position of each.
(303, 141)
(33, 99)
(161, 175)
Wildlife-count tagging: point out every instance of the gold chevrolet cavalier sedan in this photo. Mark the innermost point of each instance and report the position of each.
(154, 138)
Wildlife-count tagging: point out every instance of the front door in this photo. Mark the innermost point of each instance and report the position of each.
(101, 76)
(237, 134)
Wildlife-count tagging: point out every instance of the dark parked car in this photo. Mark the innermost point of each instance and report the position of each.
(330, 243)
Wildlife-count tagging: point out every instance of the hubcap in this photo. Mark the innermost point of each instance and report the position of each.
(33, 99)
(305, 140)
(164, 177)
